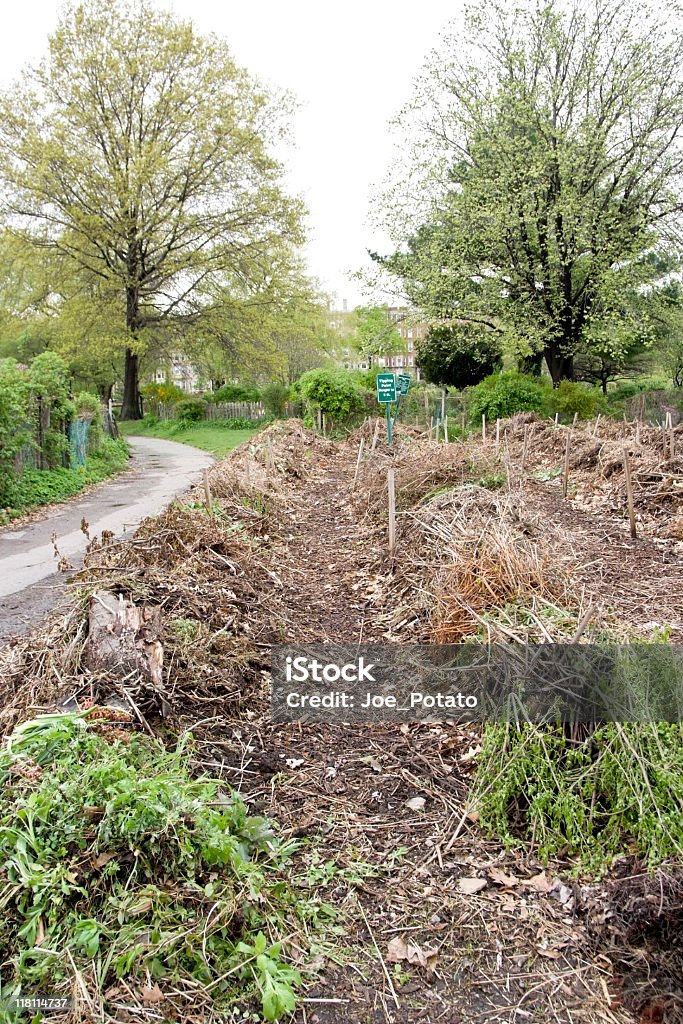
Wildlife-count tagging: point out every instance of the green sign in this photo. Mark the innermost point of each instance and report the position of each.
(386, 387)
(403, 381)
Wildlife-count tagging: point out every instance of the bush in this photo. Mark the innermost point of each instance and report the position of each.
(235, 393)
(190, 410)
(504, 394)
(274, 397)
(335, 392)
(164, 394)
(571, 398)
(14, 426)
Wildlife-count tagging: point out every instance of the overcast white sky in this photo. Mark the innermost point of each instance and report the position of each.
(351, 68)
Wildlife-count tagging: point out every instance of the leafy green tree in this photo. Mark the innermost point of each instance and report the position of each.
(458, 356)
(14, 422)
(140, 152)
(551, 168)
(376, 333)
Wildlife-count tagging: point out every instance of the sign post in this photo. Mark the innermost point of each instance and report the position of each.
(386, 394)
(403, 383)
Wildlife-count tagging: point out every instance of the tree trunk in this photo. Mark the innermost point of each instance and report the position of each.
(531, 364)
(560, 366)
(132, 404)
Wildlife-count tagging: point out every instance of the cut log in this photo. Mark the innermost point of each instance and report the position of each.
(122, 637)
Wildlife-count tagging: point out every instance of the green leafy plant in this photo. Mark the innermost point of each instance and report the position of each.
(120, 864)
(504, 394)
(234, 393)
(274, 397)
(335, 392)
(571, 397)
(190, 410)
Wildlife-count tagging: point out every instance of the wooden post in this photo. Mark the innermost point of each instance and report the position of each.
(375, 435)
(557, 418)
(463, 424)
(431, 429)
(565, 474)
(672, 442)
(597, 424)
(483, 427)
(436, 434)
(427, 409)
(445, 430)
(391, 489)
(207, 491)
(497, 433)
(663, 439)
(637, 431)
(629, 493)
(443, 404)
(526, 445)
(358, 461)
(324, 426)
(576, 416)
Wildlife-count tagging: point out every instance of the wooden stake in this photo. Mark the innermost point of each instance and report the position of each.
(207, 491)
(427, 409)
(629, 493)
(526, 445)
(664, 439)
(462, 426)
(672, 442)
(375, 435)
(443, 404)
(483, 427)
(497, 433)
(557, 418)
(436, 426)
(637, 431)
(358, 461)
(597, 424)
(391, 489)
(576, 416)
(324, 426)
(565, 474)
(445, 430)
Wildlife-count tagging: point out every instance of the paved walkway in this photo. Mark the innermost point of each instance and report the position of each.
(29, 584)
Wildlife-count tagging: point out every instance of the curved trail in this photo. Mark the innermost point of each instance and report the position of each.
(29, 583)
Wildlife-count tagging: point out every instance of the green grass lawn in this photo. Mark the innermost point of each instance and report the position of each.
(212, 437)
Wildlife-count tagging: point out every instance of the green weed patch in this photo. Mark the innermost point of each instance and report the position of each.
(118, 865)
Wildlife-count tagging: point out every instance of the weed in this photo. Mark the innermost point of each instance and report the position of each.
(118, 864)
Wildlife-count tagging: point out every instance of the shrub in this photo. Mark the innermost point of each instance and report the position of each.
(14, 426)
(571, 398)
(190, 410)
(274, 397)
(165, 394)
(235, 393)
(335, 392)
(504, 394)
(48, 378)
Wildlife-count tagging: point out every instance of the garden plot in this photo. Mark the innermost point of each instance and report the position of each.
(430, 917)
